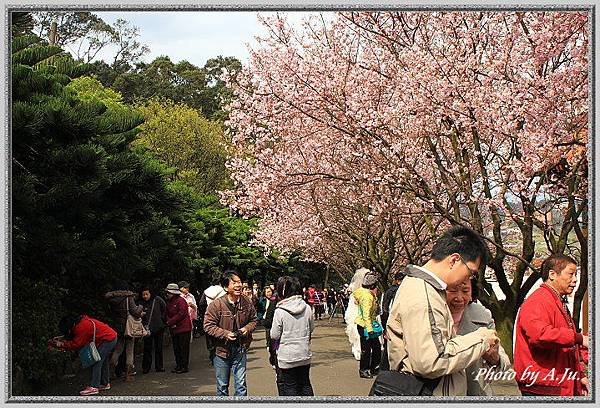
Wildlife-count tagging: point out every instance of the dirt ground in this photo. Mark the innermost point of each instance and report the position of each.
(334, 372)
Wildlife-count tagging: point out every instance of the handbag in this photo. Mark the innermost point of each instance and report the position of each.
(89, 355)
(134, 327)
(147, 327)
(377, 329)
(402, 383)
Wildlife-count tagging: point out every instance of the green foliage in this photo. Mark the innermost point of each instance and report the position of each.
(183, 139)
(32, 325)
(96, 202)
(35, 55)
(21, 23)
(86, 34)
(200, 88)
(87, 210)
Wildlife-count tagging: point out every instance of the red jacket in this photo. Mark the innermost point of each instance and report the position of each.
(310, 295)
(178, 316)
(547, 346)
(83, 332)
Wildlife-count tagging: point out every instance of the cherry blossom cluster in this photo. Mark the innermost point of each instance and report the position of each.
(356, 137)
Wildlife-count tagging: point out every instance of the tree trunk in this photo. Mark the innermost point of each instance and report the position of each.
(326, 277)
(504, 327)
(53, 33)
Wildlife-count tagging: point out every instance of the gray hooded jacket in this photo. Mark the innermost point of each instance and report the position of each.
(293, 325)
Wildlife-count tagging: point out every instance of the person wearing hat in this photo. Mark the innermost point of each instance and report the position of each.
(184, 288)
(370, 347)
(180, 326)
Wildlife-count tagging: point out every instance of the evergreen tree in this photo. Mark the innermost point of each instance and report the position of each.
(87, 209)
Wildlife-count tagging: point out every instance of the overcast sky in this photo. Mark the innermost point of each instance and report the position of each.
(195, 36)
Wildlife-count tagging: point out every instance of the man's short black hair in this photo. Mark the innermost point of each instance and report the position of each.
(463, 241)
(556, 262)
(228, 276)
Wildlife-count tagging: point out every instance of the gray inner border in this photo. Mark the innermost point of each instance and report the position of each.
(138, 5)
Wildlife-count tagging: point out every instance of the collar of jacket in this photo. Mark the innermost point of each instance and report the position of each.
(415, 272)
(561, 299)
(240, 304)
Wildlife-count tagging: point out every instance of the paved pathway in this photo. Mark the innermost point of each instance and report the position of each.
(334, 372)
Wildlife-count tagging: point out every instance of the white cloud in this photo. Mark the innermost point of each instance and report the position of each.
(195, 36)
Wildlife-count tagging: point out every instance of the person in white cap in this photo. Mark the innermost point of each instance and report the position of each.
(208, 296)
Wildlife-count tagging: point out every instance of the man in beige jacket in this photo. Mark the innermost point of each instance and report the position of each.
(419, 327)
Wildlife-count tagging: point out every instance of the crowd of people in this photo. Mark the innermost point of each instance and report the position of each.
(428, 325)
(115, 343)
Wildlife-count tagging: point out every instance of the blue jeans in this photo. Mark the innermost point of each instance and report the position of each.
(236, 363)
(100, 370)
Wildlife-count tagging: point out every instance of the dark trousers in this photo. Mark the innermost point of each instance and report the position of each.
(153, 343)
(370, 351)
(279, 381)
(296, 381)
(181, 349)
(385, 363)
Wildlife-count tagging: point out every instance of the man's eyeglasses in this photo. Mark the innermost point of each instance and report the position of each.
(473, 272)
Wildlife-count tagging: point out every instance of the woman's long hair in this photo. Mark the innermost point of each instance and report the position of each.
(288, 286)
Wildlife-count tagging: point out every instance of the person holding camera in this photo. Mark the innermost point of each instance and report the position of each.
(231, 319)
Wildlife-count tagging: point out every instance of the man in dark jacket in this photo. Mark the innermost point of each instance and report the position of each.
(179, 323)
(231, 319)
(388, 299)
(121, 302)
(155, 310)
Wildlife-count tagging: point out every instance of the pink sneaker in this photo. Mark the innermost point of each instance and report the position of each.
(89, 391)
(104, 387)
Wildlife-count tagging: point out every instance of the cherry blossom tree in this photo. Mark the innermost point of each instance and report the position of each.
(360, 138)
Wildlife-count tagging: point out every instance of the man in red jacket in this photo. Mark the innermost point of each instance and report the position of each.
(180, 325)
(548, 359)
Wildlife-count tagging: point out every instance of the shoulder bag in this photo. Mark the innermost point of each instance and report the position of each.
(134, 327)
(377, 329)
(147, 327)
(402, 383)
(88, 355)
